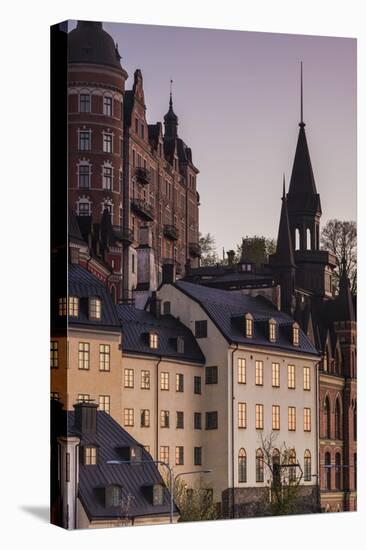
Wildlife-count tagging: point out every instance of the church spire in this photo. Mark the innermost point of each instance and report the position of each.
(302, 123)
(171, 119)
(284, 250)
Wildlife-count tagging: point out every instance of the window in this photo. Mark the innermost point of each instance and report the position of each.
(292, 418)
(248, 326)
(180, 344)
(84, 208)
(306, 378)
(276, 464)
(153, 340)
(179, 456)
(105, 403)
(259, 373)
(292, 469)
(166, 308)
(84, 103)
(107, 105)
(307, 419)
(62, 306)
(259, 417)
(164, 454)
(107, 143)
(197, 385)
(73, 306)
(272, 330)
(113, 496)
(84, 140)
(242, 415)
(327, 471)
(211, 375)
(291, 377)
(275, 417)
(104, 357)
(337, 420)
(200, 329)
(275, 375)
(164, 380)
(180, 419)
(211, 420)
(83, 357)
(179, 382)
(129, 378)
(307, 465)
(197, 456)
(259, 466)
(164, 419)
(84, 176)
(129, 417)
(145, 379)
(95, 308)
(54, 355)
(242, 371)
(158, 494)
(83, 398)
(295, 334)
(145, 418)
(90, 456)
(107, 177)
(197, 421)
(327, 418)
(242, 466)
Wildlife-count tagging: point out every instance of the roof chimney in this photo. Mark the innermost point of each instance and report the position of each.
(86, 417)
(230, 257)
(169, 273)
(155, 305)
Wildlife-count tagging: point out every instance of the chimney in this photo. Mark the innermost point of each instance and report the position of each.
(230, 257)
(155, 305)
(169, 273)
(86, 417)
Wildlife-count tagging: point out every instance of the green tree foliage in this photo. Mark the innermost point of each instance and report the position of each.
(340, 238)
(208, 250)
(256, 249)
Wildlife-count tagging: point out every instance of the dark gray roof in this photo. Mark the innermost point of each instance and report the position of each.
(137, 323)
(227, 308)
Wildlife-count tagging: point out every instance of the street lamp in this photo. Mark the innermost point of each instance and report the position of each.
(171, 476)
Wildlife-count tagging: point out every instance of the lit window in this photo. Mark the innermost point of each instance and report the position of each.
(197, 385)
(129, 378)
(272, 330)
(306, 378)
(197, 456)
(275, 375)
(179, 456)
(307, 419)
(164, 419)
(83, 357)
(295, 334)
(164, 380)
(197, 421)
(164, 454)
(242, 415)
(107, 106)
(104, 357)
(107, 143)
(259, 373)
(95, 308)
(259, 417)
(145, 418)
(249, 325)
(84, 140)
(90, 456)
(292, 418)
(242, 374)
(291, 377)
(107, 177)
(180, 419)
(307, 465)
(84, 176)
(54, 355)
(153, 340)
(211, 375)
(259, 466)
(275, 417)
(62, 306)
(179, 382)
(145, 379)
(84, 103)
(129, 417)
(242, 466)
(83, 398)
(211, 420)
(105, 403)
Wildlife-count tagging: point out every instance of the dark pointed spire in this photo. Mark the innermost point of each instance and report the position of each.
(344, 301)
(284, 250)
(302, 123)
(171, 119)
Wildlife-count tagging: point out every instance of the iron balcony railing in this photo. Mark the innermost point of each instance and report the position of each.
(171, 232)
(143, 175)
(143, 209)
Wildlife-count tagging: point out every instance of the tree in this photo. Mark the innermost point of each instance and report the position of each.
(208, 250)
(340, 238)
(256, 249)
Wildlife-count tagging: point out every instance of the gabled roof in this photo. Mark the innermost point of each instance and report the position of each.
(74, 228)
(137, 323)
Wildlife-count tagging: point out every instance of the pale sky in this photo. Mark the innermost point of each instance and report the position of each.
(237, 96)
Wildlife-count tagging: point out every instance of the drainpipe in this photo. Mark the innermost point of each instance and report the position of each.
(232, 432)
(76, 488)
(317, 405)
(157, 410)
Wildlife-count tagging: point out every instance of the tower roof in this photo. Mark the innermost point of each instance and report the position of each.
(344, 301)
(284, 250)
(171, 117)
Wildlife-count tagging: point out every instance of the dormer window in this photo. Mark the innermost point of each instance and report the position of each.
(180, 344)
(295, 334)
(95, 308)
(248, 325)
(272, 330)
(70, 306)
(113, 495)
(158, 494)
(153, 340)
(135, 454)
(90, 455)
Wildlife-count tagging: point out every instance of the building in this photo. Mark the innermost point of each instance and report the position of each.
(142, 175)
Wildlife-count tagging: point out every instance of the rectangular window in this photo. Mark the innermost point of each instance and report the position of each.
(164, 419)
(296, 336)
(153, 340)
(275, 417)
(211, 375)
(306, 378)
(242, 415)
(259, 373)
(211, 420)
(90, 456)
(179, 382)
(73, 306)
(197, 421)
(291, 380)
(95, 308)
(198, 456)
(145, 379)
(200, 329)
(84, 209)
(84, 349)
(164, 454)
(84, 176)
(54, 355)
(107, 177)
(107, 143)
(242, 371)
(275, 375)
(62, 306)
(104, 357)
(84, 140)
(83, 398)
(272, 332)
(292, 418)
(105, 403)
(180, 344)
(180, 419)
(84, 103)
(179, 456)
(197, 385)
(128, 417)
(307, 419)
(129, 378)
(259, 417)
(248, 327)
(107, 106)
(166, 308)
(145, 418)
(164, 380)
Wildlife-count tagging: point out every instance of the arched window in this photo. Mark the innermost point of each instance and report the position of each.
(337, 420)
(327, 418)
(276, 462)
(327, 471)
(297, 239)
(308, 239)
(259, 466)
(242, 466)
(338, 472)
(307, 465)
(292, 469)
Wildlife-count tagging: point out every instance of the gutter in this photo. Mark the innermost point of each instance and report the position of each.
(232, 432)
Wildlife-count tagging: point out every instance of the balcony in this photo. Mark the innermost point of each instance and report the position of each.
(125, 235)
(142, 209)
(195, 250)
(142, 175)
(171, 232)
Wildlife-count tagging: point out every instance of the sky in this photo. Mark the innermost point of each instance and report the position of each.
(237, 97)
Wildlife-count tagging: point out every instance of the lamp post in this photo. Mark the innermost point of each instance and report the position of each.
(171, 476)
